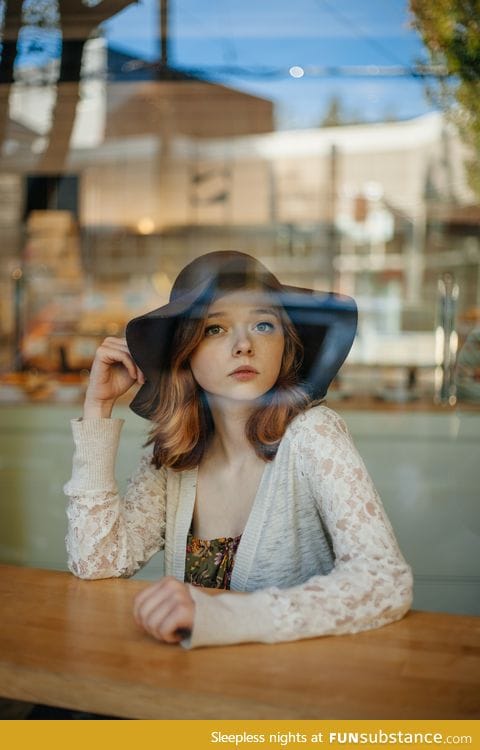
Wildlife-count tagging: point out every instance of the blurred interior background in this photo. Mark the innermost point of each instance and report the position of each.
(337, 141)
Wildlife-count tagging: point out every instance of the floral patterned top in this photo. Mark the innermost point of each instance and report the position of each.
(209, 562)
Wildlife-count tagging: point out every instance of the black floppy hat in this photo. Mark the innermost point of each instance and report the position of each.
(326, 322)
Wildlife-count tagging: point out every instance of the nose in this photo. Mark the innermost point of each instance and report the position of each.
(242, 344)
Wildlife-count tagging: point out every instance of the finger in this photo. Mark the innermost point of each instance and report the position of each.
(127, 362)
(164, 626)
(159, 599)
(183, 633)
(160, 603)
(178, 625)
(117, 345)
(112, 349)
(158, 585)
(114, 356)
(153, 624)
(115, 341)
(147, 595)
(145, 592)
(142, 612)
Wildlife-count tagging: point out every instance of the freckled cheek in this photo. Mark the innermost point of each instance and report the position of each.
(273, 356)
(204, 367)
(278, 352)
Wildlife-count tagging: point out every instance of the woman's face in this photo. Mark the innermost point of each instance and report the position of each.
(241, 352)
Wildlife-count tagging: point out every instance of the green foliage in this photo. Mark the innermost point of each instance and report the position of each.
(451, 32)
(336, 114)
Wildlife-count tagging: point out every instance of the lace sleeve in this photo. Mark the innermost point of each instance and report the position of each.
(107, 535)
(370, 584)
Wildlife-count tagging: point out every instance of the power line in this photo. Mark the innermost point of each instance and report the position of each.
(308, 71)
(359, 32)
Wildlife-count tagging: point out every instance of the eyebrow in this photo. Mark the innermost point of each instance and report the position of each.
(261, 310)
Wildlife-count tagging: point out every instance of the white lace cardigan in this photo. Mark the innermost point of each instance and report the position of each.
(318, 553)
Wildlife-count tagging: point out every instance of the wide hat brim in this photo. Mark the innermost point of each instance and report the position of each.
(326, 323)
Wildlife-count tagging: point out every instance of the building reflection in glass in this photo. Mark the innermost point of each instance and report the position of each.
(116, 169)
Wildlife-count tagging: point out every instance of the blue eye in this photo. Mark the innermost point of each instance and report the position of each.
(212, 330)
(264, 326)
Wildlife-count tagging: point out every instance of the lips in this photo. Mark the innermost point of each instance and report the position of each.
(245, 369)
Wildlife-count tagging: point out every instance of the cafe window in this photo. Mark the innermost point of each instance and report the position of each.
(136, 136)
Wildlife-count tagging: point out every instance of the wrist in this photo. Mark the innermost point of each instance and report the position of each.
(97, 409)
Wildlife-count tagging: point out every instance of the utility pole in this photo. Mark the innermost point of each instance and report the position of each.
(164, 33)
(164, 169)
(332, 233)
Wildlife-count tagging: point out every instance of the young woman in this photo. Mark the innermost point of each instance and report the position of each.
(249, 483)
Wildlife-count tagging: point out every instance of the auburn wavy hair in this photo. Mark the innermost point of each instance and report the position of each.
(183, 424)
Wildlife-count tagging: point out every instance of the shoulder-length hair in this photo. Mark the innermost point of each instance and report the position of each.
(183, 424)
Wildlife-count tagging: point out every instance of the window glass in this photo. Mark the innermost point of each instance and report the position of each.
(137, 135)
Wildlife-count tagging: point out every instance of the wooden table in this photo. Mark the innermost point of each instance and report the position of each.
(74, 644)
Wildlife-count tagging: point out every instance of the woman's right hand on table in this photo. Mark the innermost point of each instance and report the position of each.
(113, 373)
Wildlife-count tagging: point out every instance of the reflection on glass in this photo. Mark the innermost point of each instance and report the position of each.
(137, 136)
